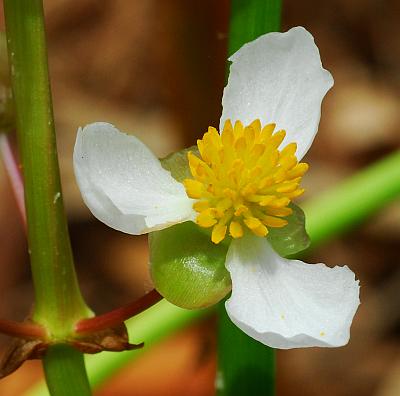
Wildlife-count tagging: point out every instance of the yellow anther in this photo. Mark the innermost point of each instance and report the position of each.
(256, 125)
(249, 134)
(206, 218)
(257, 170)
(255, 198)
(229, 193)
(224, 204)
(194, 188)
(296, 193)
(213, 136)
(298, 171)
(238, 129)
(260, 231)
(237, 165)
(227, 137)
(287, 187)
(199, 206)
(203, 151)
(267, 181)
(258, 150)
(267, 199)
(288, 162)
(249, 189)
(242, 181)
(218, 233)
(277, 138)
(275, 222)
(267, 131)
(240, 145)
(289, 150)
(235, 229)
(280, 176)
(228, 126)
(280, 202)
(193, 162)
(252, 222)
(279, 211)
(240, 210)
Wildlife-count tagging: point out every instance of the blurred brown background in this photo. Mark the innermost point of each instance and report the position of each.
(155, 68)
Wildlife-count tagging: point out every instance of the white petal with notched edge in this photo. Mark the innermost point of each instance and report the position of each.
(124, 184)
(278, 78)
(287, 303)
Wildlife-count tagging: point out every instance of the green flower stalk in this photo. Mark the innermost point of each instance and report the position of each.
(58, 301)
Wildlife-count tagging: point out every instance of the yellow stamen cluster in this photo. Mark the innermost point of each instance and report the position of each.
(242, 180)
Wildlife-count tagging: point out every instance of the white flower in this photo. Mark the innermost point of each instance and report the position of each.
(282, 303)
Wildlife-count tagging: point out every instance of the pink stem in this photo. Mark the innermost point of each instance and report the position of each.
(119, 315)
(14, 174)
(22, 330)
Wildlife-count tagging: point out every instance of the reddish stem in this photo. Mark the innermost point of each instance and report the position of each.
(14, 174)
(21, 330)
(119, 315)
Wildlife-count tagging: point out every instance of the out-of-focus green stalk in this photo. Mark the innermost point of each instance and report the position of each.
(64, 362)
(250, 19)
(345, 205)
(150, 326)
(245, 366)
(58, 301)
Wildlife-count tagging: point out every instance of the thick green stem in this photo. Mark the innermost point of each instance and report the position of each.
(245, 366)
(58, 302)
(63, 362)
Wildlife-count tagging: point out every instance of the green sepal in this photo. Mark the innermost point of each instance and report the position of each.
(187, 268)
(292, 238)
(178, 163)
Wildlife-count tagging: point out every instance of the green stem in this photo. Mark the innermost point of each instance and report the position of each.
(245, 366)
(58, 302)
(347, 204)
(63, 362)
(250, 19)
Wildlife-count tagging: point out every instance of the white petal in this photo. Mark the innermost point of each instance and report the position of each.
(124, 184)
(287, 303)
(278, 78)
